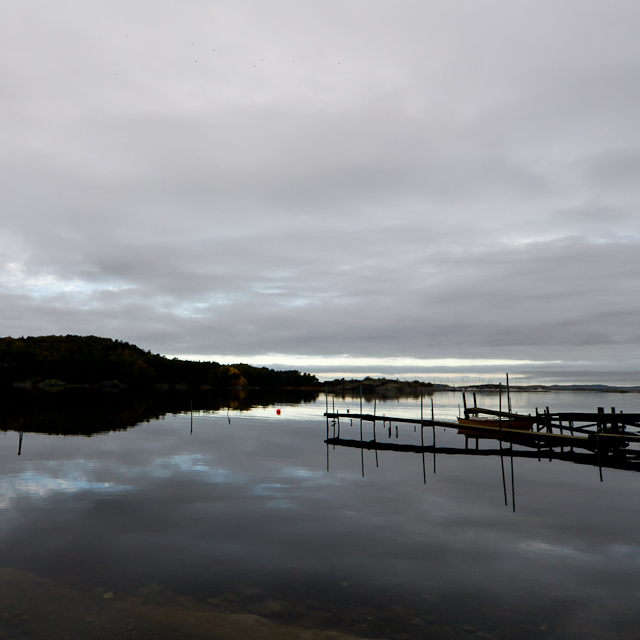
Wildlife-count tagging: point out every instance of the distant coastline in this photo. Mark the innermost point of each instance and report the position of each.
(54, 363)
(386, 387)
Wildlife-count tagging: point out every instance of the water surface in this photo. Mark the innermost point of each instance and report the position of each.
(230, 512)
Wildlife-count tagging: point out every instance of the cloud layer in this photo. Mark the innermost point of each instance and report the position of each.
(426, 180)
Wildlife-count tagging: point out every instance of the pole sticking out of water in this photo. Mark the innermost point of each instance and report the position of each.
(424, 467)
(360, 412)
(361, 447)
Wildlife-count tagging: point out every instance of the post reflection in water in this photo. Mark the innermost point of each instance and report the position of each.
(375, 446)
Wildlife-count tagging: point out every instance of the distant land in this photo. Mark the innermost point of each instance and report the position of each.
(386, 387)
(56, 362)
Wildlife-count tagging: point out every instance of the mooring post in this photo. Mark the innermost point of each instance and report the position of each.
(599, 428)
(599, 423)
(374, 415)
(361, 447)
(424, 467)
(433, 426)
(374, 435)
(500, 413)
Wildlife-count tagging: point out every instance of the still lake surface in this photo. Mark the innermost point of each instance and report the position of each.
(178, 525)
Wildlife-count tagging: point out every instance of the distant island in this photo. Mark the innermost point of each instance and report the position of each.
(56, 362)
(383, 387)
(392, 388)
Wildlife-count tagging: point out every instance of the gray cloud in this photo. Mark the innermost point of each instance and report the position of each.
(424, 180)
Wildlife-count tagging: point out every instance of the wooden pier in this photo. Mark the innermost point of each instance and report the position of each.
(604, 440)
(597, 431)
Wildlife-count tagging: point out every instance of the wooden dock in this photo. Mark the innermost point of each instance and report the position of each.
(605, 440)
(593, 431)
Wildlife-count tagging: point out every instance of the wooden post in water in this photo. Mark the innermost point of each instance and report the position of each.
(374, 434)
(362, 448)
(361, 413)
(374, 428)
(424, 468)
(500, 411)
(599, 428)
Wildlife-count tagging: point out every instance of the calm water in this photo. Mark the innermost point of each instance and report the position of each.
(177, 523)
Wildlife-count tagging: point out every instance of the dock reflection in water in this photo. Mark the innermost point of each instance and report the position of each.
(611, 440)
(192, 526)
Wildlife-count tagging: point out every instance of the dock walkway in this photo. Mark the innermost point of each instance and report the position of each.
(597, 431)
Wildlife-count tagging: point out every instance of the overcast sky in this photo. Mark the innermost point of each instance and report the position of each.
(384, 179)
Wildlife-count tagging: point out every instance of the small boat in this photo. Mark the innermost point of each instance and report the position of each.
(475, 424)
(522, 423)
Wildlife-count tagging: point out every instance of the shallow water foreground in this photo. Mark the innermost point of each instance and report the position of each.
(34, 607)
(230, 525)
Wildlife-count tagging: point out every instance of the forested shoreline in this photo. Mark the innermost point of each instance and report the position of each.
(51, 362)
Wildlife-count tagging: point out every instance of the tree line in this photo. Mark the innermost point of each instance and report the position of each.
(91, 360)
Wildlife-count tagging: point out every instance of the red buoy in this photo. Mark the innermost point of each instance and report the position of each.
(278, 411)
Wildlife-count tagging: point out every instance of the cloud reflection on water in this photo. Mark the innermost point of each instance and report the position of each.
(252, 503)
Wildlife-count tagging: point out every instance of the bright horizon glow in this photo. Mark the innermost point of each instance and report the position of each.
(340, 360)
